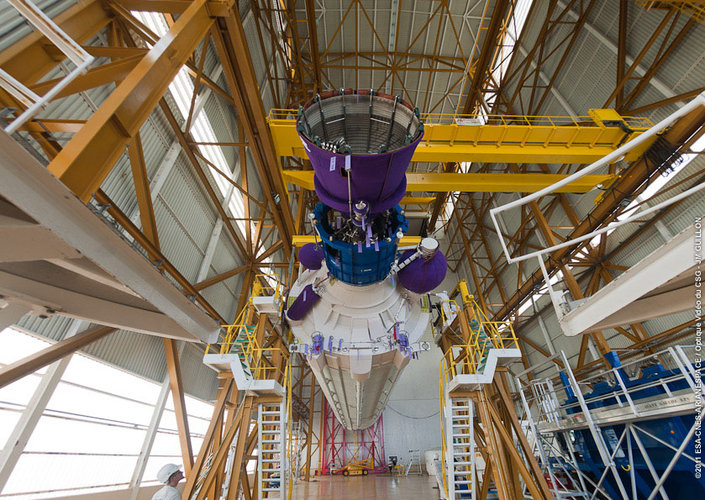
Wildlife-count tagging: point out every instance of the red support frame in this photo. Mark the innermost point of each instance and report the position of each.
(340, 445)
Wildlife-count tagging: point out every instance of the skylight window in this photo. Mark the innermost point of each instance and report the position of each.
(201, 129)
(516, 24)
(556, 278)
(653, 189)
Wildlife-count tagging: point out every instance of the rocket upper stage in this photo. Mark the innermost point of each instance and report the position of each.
(359, 308)
(373, 136)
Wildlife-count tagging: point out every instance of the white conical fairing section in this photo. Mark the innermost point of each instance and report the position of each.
(358, 358)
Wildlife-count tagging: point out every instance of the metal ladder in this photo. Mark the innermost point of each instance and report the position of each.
(460, 441)
(271, 435)
(414, 462)
(298, 437)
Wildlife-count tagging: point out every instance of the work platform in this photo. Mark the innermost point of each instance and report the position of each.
(463, 382)
(681, 403)
(623, 432)
(231, 363)
(262, 395)
(482, 437)
(660, 284)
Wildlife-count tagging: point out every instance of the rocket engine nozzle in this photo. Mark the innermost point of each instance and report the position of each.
(360, 144)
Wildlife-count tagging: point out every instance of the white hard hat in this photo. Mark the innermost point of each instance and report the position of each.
(165, 472)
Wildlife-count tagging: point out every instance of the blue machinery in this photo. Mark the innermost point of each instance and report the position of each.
(627, 432)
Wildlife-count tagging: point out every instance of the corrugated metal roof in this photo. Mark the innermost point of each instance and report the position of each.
(185, 217)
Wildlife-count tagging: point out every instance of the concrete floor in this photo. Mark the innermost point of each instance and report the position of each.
(379, 486)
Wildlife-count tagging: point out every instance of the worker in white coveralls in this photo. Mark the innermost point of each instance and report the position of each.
(170, 475)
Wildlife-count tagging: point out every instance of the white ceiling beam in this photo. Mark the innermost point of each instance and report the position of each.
(34, 190)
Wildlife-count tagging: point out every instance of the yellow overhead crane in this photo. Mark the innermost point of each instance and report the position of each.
(494, 139)
(436, 182)
(299, 240)
(500, 139)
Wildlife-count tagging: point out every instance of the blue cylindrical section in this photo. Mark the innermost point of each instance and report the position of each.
(360, 263)
(566, 385)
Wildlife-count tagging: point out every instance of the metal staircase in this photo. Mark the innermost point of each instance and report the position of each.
(271, 435)
(261, 383)
(460, 453)
(477, 415)
(239, 347)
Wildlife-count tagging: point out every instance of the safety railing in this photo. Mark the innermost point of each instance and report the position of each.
(442, 382)
(227, 341)
(290, 430)
(610, 411)
(449, 137)
(663, 373)
(610, 158)
(603, 129)
(469, 358)
(633, 122)
(240, 336)
(266, 284)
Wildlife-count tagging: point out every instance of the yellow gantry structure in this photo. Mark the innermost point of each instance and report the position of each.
(437, 182)
(301, 239)
(500, 139)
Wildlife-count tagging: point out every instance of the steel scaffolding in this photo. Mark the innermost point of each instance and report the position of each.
(624, 432)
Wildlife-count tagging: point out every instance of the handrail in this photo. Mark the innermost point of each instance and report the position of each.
(442, 382)
(290, 427)
(615, 155)
(239, 337)
(468, 358)
(484, 335)
(259, 289)
(633, 122)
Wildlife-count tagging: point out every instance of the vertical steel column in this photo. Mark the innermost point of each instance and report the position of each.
(177, 395)
(151, 435)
